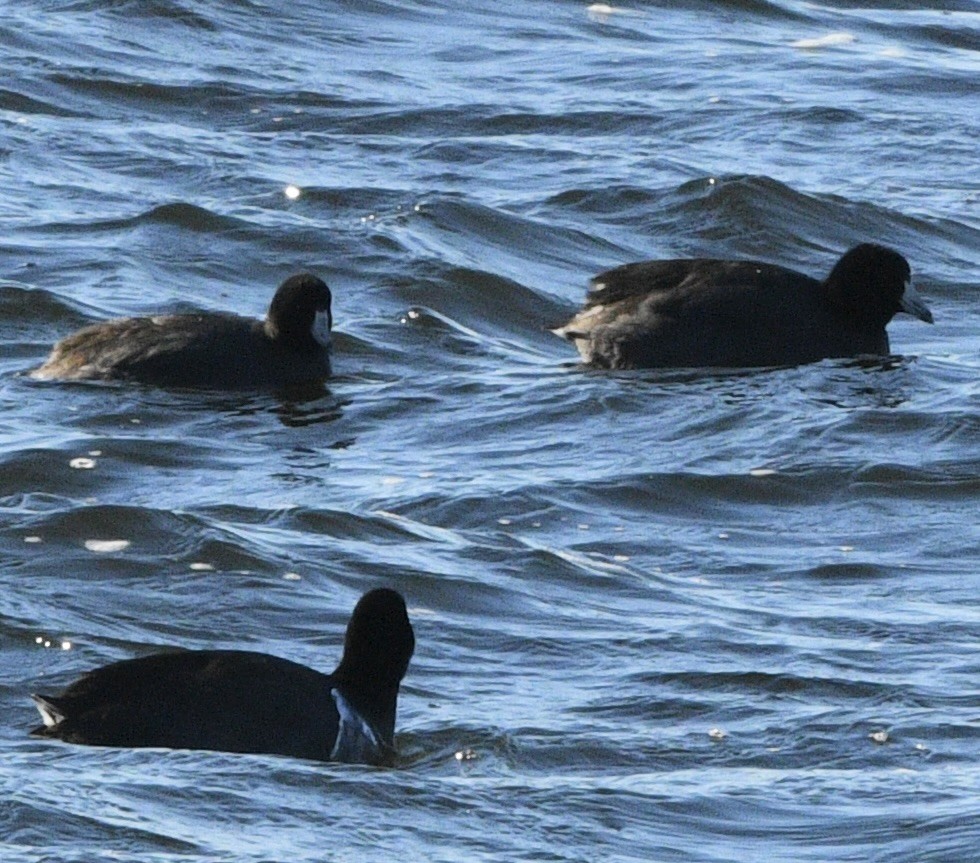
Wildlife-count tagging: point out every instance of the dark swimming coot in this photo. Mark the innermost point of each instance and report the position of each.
(210, 349)
(702, 312)
(238, 701)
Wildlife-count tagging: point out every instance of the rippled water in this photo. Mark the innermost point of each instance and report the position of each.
(673, 616)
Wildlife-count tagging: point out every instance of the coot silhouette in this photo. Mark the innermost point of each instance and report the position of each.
(702, 312)
(208, 349)
(239, 701)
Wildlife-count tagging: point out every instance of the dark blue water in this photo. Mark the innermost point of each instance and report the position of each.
(672, 616)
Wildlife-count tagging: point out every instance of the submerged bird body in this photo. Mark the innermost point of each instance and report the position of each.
(701, 312)
(240, 701)
(197, 701)
(213, 349)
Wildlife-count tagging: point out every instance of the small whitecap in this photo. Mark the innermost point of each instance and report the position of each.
(199, 566)
(602, 12)
(621, 558)
(827, 41)
(879, 736)
(33, 539)
(761, 471)
(847, 548)
(717, 734)
(722, 536)
(292, 192)
(82, 463)
(504, 521)
(292, 576)
(465, 755)
(107, 546)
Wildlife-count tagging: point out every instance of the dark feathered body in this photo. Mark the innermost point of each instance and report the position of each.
(212, 349)
(202, 699)
(240, 701)
(702, 312)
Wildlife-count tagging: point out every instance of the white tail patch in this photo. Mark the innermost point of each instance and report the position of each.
(50, 715)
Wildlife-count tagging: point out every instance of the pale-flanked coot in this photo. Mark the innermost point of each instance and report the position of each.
(210, 349)
(239, 701)
(702, 312)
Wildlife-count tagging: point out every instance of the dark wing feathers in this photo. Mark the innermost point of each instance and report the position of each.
(678, 277)
(143, 347)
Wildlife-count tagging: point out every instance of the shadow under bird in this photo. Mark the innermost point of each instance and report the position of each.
(715, 313)
(291, 346)
(240, 701)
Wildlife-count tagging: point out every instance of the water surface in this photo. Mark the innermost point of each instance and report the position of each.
(674, 615)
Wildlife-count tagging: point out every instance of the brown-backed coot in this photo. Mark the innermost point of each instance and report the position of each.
(239, 701)
(701, 312)
(208, 349)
